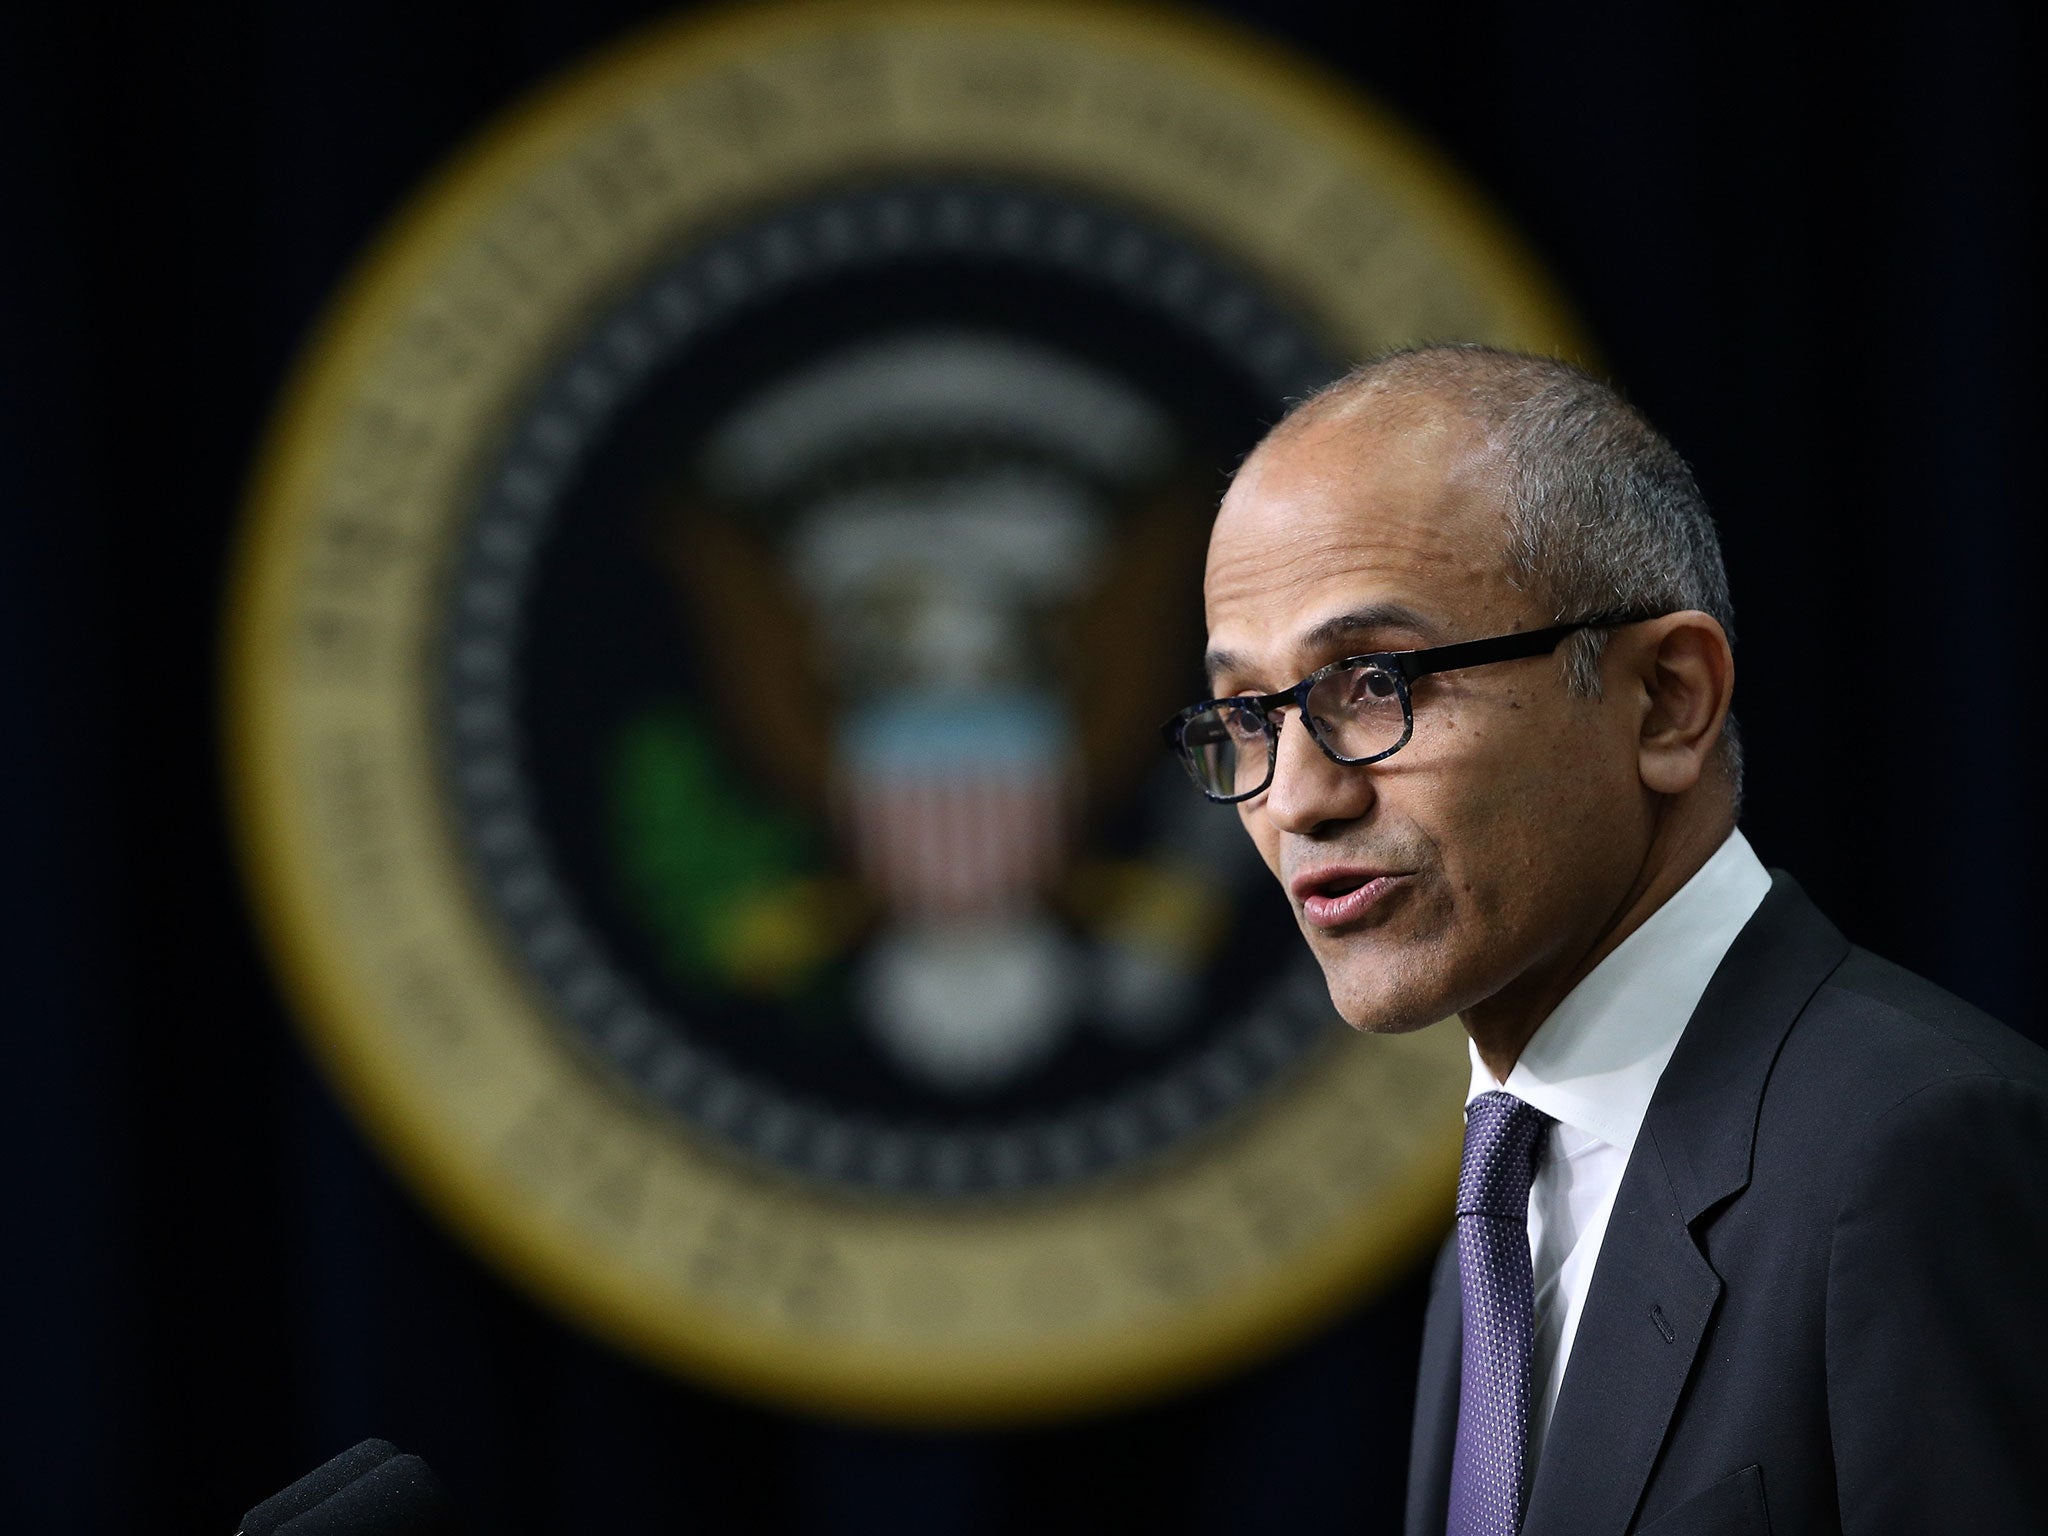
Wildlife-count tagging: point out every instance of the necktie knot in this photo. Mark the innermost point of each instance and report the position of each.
(1499, 1164)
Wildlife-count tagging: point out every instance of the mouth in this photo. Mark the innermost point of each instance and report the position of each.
(1338, 897)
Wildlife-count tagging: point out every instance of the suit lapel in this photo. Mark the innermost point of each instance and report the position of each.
(1653, 1292)
(1436, 1400)
(1648, 1308)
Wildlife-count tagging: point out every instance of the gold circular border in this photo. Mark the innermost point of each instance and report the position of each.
(346, 1022)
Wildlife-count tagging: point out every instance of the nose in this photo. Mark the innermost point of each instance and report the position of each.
(1310, 791)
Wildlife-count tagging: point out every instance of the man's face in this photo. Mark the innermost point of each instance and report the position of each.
(1487, 857)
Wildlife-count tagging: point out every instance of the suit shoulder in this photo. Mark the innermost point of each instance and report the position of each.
(1895, 1033)
(1884, 1078)
(1874, 1035)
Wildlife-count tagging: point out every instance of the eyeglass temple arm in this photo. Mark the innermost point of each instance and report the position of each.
(1473, 653)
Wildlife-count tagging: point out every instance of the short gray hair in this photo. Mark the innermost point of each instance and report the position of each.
(1603, 515)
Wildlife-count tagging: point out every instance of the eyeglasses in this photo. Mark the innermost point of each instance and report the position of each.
(1357, 710)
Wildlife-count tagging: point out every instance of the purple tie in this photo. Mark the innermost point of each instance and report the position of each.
(1501, 1134)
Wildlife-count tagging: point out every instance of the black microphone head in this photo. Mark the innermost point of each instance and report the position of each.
(399, 1497)
(321, 1483)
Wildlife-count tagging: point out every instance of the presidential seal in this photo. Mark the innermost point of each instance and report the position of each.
(703, 619)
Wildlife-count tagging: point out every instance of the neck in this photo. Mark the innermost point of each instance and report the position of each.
(1503, 1024)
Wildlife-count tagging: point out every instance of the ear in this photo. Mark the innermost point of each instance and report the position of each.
(1687, 673)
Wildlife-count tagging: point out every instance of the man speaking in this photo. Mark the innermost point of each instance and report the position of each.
(1752, 1226)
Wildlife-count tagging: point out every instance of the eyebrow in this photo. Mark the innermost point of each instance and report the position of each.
(1359, 621)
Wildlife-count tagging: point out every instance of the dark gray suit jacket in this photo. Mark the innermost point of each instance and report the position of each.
(1821, 1304)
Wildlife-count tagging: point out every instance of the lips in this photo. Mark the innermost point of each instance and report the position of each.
(1336, 896)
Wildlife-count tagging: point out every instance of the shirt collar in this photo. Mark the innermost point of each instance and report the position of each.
(1593, 1064)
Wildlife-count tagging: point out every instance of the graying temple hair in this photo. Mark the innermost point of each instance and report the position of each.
(1603, 515)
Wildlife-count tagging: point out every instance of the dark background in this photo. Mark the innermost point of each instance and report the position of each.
(1802, 243)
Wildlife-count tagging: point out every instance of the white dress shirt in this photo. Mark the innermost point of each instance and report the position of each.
(1592, 1066)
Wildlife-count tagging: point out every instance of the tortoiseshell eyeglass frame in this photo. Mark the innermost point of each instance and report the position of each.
(1403, 666)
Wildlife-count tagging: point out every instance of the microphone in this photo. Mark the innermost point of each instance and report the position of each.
(316, 1486)
(368, 1490)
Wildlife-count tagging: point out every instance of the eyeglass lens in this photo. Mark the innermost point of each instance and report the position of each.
(1356, 713)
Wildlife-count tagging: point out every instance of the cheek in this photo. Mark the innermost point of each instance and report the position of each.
(1265, 837)
(1544, 828)
(1509, 806)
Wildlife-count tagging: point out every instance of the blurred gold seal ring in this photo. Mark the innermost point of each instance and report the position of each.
(437, 1013)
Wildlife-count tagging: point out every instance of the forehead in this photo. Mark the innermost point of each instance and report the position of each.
(1341, 517)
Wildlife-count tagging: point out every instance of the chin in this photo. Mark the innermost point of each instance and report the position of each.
(1380, 1004)
(1414, 967)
